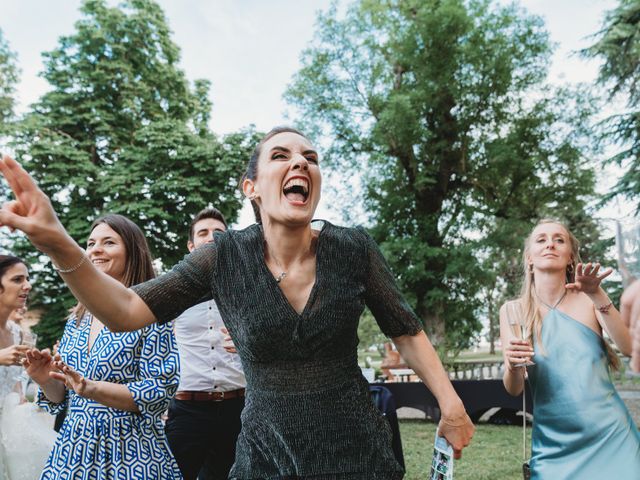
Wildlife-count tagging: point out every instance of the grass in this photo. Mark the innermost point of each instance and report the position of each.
(495, 453)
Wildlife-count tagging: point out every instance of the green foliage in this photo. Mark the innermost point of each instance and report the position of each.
(618, 46)
(443, 107)
(9, 74)
(121, 130)
(369, 334)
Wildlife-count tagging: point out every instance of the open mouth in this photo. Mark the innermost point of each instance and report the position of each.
(99, 261)
(296, 190)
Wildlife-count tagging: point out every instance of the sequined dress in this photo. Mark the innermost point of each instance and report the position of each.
(308, 412)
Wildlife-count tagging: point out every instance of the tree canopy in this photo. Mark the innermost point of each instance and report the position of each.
(9, 76)
(121, 130)
(444, 108)
(618, 46)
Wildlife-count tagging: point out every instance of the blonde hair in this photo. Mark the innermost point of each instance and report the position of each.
(529, 301)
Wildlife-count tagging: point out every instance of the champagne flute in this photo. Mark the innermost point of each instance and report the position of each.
(518, 328)
(28, 339)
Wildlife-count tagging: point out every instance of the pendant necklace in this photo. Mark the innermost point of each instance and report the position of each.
(278, 278)
(556, 304)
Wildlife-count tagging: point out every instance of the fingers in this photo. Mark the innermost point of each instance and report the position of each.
(9, 217)
(606, 273)
(58, 376)
(32, 356)
(572, 286)
(579, 270)
(17, 177)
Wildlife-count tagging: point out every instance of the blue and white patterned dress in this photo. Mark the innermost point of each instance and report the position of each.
(102, 443)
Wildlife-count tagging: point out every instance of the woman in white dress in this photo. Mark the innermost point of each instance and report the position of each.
(25, 436)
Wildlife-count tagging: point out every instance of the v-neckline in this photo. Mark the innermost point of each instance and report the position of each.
(92, 346)
(274, 283)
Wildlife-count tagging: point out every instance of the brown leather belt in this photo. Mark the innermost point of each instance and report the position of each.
(209, 396)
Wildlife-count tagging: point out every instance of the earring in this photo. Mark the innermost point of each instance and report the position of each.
(570, 268)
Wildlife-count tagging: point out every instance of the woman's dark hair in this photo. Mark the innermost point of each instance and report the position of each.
(251, 172)
(6, 262)
(138, 260)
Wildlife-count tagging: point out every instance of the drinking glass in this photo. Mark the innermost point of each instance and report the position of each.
(29, 339)
(628, 247)
(515, 318)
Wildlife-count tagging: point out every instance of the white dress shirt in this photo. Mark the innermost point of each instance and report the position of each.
(205, 366)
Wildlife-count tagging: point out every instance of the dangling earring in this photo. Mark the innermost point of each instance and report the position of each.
(570, 268)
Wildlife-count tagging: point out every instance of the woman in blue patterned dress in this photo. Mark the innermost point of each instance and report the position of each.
(581, 427)
(115, 385)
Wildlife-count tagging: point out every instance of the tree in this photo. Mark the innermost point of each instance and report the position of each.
(443, 107)
(618, 46)
(8, 79)
(121, 130)
(9, 76)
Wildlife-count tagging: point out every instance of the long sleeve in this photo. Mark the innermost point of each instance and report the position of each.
(185, 285)
(159, 372)
(392, 312)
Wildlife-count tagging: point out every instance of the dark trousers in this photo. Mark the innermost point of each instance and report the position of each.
(202, 436)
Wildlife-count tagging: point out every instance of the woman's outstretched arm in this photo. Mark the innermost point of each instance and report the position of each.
(31, 212)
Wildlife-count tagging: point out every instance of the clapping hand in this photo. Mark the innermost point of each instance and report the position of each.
(587, 279)
(72, 379)
(38, 364)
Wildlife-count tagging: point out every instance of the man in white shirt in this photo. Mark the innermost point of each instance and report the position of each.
(204, 416)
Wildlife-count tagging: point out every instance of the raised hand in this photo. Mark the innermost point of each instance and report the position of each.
(38, 364)
(31, 211)
(12, 355)
(587, 279)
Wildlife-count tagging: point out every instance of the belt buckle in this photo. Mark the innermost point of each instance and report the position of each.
(217, 396)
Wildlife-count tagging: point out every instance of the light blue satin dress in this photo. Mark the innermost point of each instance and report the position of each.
(581, 427)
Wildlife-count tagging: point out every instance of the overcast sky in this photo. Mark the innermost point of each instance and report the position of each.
(250, 49)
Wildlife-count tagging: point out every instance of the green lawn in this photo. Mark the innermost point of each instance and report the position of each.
(495, 454)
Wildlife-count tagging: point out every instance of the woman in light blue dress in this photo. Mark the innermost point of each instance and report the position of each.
(114, 385)
(581, 427)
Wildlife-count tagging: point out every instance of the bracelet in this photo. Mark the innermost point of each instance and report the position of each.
(605, 308)
(72, 269)
(462, 420)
